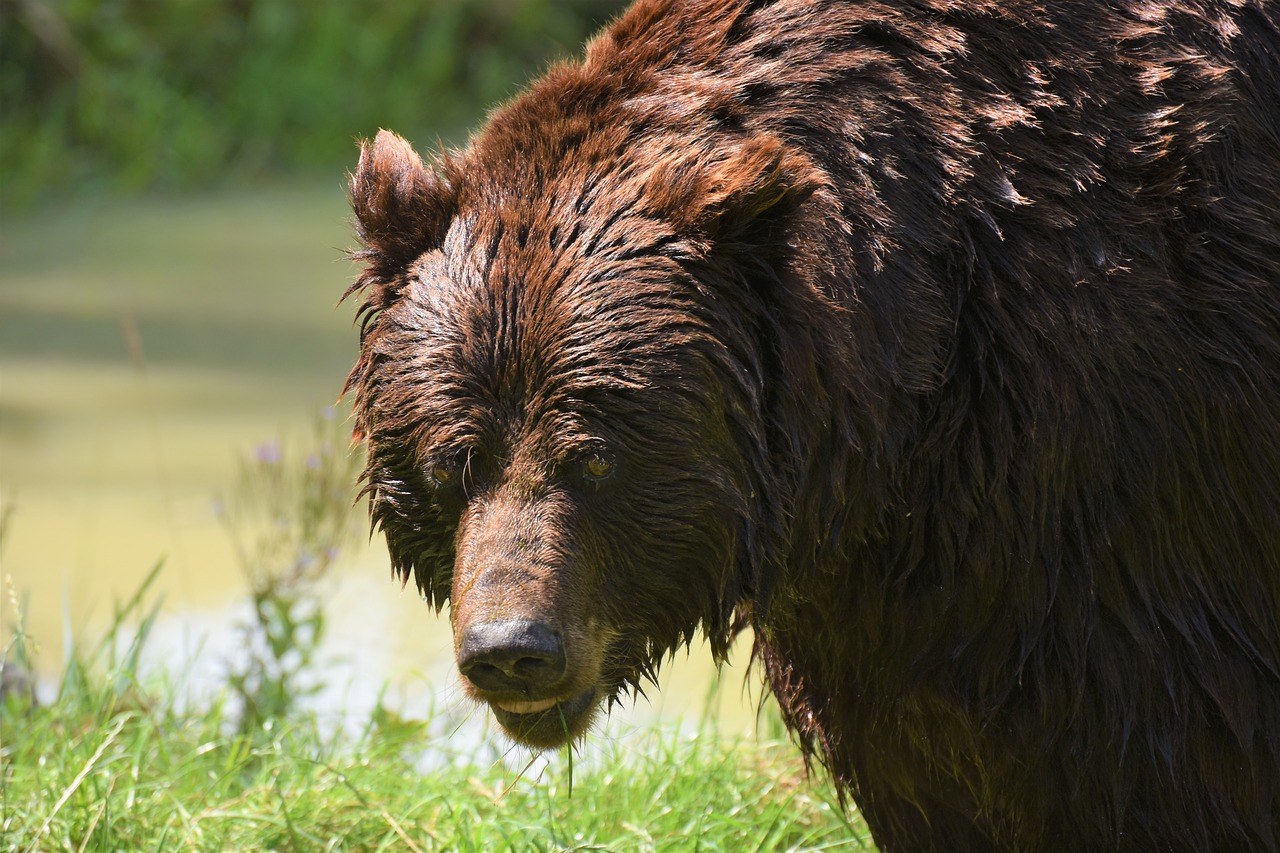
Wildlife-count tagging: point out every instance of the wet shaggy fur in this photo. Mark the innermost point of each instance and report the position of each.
(938, 340)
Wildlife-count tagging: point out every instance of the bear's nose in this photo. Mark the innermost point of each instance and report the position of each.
(518, 655)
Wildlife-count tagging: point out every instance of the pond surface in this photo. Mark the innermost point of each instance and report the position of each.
(145, 347)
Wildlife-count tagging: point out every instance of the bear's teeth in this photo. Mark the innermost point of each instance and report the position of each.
(526, 707)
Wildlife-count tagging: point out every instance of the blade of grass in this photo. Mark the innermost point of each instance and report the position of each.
(97, 816)
(517, 778)
(360, 798)
(79, 780)
(568, 746)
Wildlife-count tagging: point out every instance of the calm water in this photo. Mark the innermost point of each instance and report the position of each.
(145, 347)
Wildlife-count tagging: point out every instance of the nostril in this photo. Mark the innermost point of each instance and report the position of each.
(516, 655)
(535, 667)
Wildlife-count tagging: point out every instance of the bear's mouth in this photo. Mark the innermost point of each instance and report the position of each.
(546, 723)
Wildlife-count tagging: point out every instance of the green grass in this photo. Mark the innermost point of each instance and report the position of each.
(129, 775)
(112, 766)
(116, 763)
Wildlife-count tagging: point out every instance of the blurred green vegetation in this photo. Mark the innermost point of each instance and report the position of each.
(123, 95)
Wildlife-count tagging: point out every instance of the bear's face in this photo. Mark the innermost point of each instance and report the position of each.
(562, 417)
(554, 458)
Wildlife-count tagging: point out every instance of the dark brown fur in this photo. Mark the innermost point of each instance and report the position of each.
(940, 340)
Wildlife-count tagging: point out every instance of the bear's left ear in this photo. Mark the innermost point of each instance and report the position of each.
(402, 207)
(745, 193)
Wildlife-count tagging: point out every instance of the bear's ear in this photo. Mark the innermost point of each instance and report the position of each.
(402, 207)
(744, 192)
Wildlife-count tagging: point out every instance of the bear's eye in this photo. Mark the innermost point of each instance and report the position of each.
(597, 466)
(444, 473)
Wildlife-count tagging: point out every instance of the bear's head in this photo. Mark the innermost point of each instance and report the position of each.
(560, 385)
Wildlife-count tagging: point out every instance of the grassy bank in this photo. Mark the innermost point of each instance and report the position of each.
(114, 763)
(131, 775)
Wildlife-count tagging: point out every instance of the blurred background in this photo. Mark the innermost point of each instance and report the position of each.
(173, 223)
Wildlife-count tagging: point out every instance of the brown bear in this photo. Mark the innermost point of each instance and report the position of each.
(936, 340)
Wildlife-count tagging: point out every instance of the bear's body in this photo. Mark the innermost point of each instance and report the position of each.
(939, 340)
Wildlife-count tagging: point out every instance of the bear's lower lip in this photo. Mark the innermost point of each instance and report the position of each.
(545, 723)
(519, 708)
